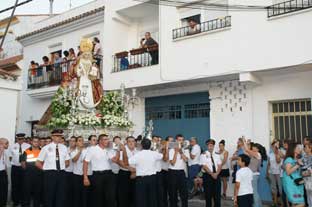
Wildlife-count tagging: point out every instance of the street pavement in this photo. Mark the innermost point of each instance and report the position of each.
(201, 203)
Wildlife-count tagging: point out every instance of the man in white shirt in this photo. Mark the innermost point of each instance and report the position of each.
(144, 163)
(104, 184)
(126, 184)
(194, 166)
(53, 159)
(17, 173)
(212, 166)
(177, 179)
(3, 172)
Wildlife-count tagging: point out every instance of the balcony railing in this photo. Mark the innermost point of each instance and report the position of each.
(210, 25)
(136, 58)
(50, 75)
(288, 7)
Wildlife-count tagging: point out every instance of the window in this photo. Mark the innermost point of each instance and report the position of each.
(192, 111)
(292, 120)
(164, 112)
(196, 18)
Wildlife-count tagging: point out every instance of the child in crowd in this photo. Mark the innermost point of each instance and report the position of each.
(243, 192)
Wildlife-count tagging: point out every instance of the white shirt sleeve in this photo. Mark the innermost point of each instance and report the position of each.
(42, 154)
(89, 155)
(158, 156)
(202, 160)
(133, 160)
(238, 176)
(195, 150)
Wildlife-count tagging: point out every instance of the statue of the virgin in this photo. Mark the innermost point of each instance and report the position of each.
(87, 73)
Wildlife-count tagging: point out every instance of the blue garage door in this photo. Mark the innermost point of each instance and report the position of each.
(187, 114)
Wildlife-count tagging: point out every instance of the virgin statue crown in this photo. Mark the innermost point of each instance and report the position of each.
(86, 45)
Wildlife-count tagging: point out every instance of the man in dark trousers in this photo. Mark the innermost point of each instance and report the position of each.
(104, 185)
(53, 159)
(34, 176)
(178, 158)
(17, 174)
(144, 163)
(212, 166)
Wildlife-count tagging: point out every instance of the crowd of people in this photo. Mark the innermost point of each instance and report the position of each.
(156, 172)
(57, 62)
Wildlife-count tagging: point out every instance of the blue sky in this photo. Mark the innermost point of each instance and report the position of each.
(39, 6)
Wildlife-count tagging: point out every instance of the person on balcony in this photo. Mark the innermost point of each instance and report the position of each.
(57, 60)
(66, 56)
(193, 27)
(97, 50)
(152, 46)
(47, 69)
(72, 54)
(32, 72)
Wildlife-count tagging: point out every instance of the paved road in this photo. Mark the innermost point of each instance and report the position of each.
(201, 203)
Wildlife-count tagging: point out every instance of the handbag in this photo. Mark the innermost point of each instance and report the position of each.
(297, 181)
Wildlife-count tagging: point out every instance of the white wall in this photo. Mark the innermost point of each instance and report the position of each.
(9, 92)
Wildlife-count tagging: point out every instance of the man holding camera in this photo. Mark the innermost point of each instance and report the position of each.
(177, 179)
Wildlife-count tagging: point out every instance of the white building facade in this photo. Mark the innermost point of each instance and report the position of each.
(243, 73)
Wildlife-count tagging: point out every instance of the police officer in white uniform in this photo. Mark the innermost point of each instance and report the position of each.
(4, 161)
(104, 185)
(212, 165)
(17, 174)
(53, 159)
(178, 158)
(144, 163)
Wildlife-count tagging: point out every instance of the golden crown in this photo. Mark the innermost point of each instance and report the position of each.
(86, 45)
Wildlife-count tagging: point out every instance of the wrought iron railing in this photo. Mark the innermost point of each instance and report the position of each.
(288, 7)
(136, 58)
(202, 27)
(51, 75)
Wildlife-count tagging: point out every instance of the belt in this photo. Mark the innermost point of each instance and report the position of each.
(102, 171)
(144, 176)
(54, 170)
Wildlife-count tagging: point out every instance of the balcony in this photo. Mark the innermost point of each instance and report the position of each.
(136, 58)
(50, 76)
(288, 7)
(211, 25)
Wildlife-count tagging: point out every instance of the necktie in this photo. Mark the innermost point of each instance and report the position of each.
(20, 153)
(57, 158)
(213, 164)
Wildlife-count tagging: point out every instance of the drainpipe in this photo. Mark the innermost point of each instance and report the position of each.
(51, 7)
